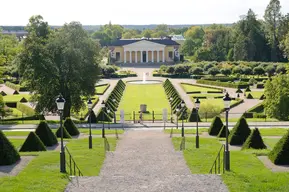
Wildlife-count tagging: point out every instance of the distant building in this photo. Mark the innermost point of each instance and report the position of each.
(178, 38)
(144, 50)
(19, 34)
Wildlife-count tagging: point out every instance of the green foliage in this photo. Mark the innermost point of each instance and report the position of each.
(222, 133)
(248, 89)
(254, 141)
(70, 127)
(25, 109)
(32, 143)
(239, 91)
(193, 116)
(223, 84)
(12, 86)
(216, 126)
(249, 96)
(65, 133)
(45, 134)
(213, 71)
(240, 132)
(280, 154)
(2, 106)
(8, 154)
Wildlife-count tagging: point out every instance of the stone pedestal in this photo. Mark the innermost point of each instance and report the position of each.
(143, 108)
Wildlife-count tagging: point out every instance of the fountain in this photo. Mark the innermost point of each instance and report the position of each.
(144, 80)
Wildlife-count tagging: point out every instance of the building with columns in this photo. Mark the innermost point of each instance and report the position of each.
(144, 51)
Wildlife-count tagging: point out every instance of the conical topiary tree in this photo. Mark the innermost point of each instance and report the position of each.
(70, 127)
(93, 117)
(193, 116)
(280, 154)
(239, 91)
(262, 97)
(254, 141)
(8, 154)
(240, 132)
(216, 126)
(249, 96)
(248, 89)
(65, 133)
(45, 134)
(32, 143)
(222, 133)
(103, 116)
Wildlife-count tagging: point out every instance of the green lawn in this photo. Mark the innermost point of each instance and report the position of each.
(15, 98)
(42, 173)
(17, 142)
(100, 90)
(271, 142)
(83, 111)
(16, 112)
(273, 131)
(247, 173)
(152, 95)
(256, 94)
(187, 131)
(190, 88)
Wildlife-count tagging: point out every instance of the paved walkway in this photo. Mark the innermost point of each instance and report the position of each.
(237, 112)
(182, 93)
(146, 161)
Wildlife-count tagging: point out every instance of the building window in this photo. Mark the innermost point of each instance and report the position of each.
(117, 56)
(170, 54)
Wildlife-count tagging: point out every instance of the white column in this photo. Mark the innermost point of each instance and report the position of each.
(163, 55)
(152, 55)
(124, 56)
(141, 56)
(130, 60)
(135, 56)
(158, 56)
(147, 54)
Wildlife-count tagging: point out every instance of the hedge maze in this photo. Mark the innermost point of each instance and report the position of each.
(112, 103)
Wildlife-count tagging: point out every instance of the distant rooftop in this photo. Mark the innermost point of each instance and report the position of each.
(178, 37)
(164, 41)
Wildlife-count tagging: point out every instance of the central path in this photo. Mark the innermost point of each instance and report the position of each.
(146, 161)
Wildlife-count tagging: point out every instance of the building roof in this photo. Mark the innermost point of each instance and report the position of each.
(122, 42)
(178, 37)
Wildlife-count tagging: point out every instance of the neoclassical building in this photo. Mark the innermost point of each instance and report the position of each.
(144, 51)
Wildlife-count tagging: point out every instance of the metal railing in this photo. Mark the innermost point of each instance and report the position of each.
(73, 168)
(218, 163)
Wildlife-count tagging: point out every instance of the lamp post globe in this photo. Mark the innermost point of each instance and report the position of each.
(60, 103)
(227, 103)
(89, 106)
(197, 106)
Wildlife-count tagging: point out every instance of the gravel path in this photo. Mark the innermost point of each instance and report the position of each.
(146, 161)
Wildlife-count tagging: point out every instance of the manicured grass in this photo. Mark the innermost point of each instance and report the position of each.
(99, 131)
(100, 90)
(151, 95)
(83, 111)
(271, 142)
(273, 131)
(17, 142)
(17, 113)
(215, 102)
(42, 173)
(187, 131)
(256, 94)
(15, 98)
(247, 172)
(190, 88)
(16, 133)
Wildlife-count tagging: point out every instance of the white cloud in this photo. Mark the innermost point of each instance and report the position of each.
(57, 12)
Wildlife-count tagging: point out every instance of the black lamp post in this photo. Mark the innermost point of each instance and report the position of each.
(60, 102)
(197, 106)
(182, 108)
(227, 102)
(103, 110)
(89, 105)
(171, 99)
(114, 119)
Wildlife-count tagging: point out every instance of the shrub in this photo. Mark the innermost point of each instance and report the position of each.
(280, 154)
(262, 97)
(249, 96)
(239, 91)
(222, 133)
(260, 86)
(65, 133)
(223, 84)
(12, 86)
(45, 134)
(209, 110)
(193, 116)
(248, 89)
(70, 127)
(25, 109)
(32, 143)
(103, 116)
(8, 154)
(240, 132)
(254, 141)
(216, 126)
(93, 117)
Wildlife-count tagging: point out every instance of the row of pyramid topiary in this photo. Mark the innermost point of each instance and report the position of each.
(44, 137)
(171, 92)
(249, 95)
(112, 103)
(241, 134)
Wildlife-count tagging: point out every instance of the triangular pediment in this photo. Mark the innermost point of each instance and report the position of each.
(144, 44)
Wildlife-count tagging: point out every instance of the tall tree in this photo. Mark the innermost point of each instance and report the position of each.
(64, 62)
(272, 19)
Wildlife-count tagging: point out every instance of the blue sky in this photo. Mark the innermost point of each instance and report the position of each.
(94, 12)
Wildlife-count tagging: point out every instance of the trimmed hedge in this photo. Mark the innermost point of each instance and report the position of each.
(239, 91)
(280, 154)
(107, 86)
(8, 154)
(254, 141)
(249, 96)
(262, 97)
(260, 86)
(193, 116)
(240, 132)
(25, 109)
(70, 127)
(65, 133)
(222, 133)
(12, 86)
(257, 108)
(45, 134)
(218, 90)
(248, 89)
(32, 143)
(216, 126)
(223, 84)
